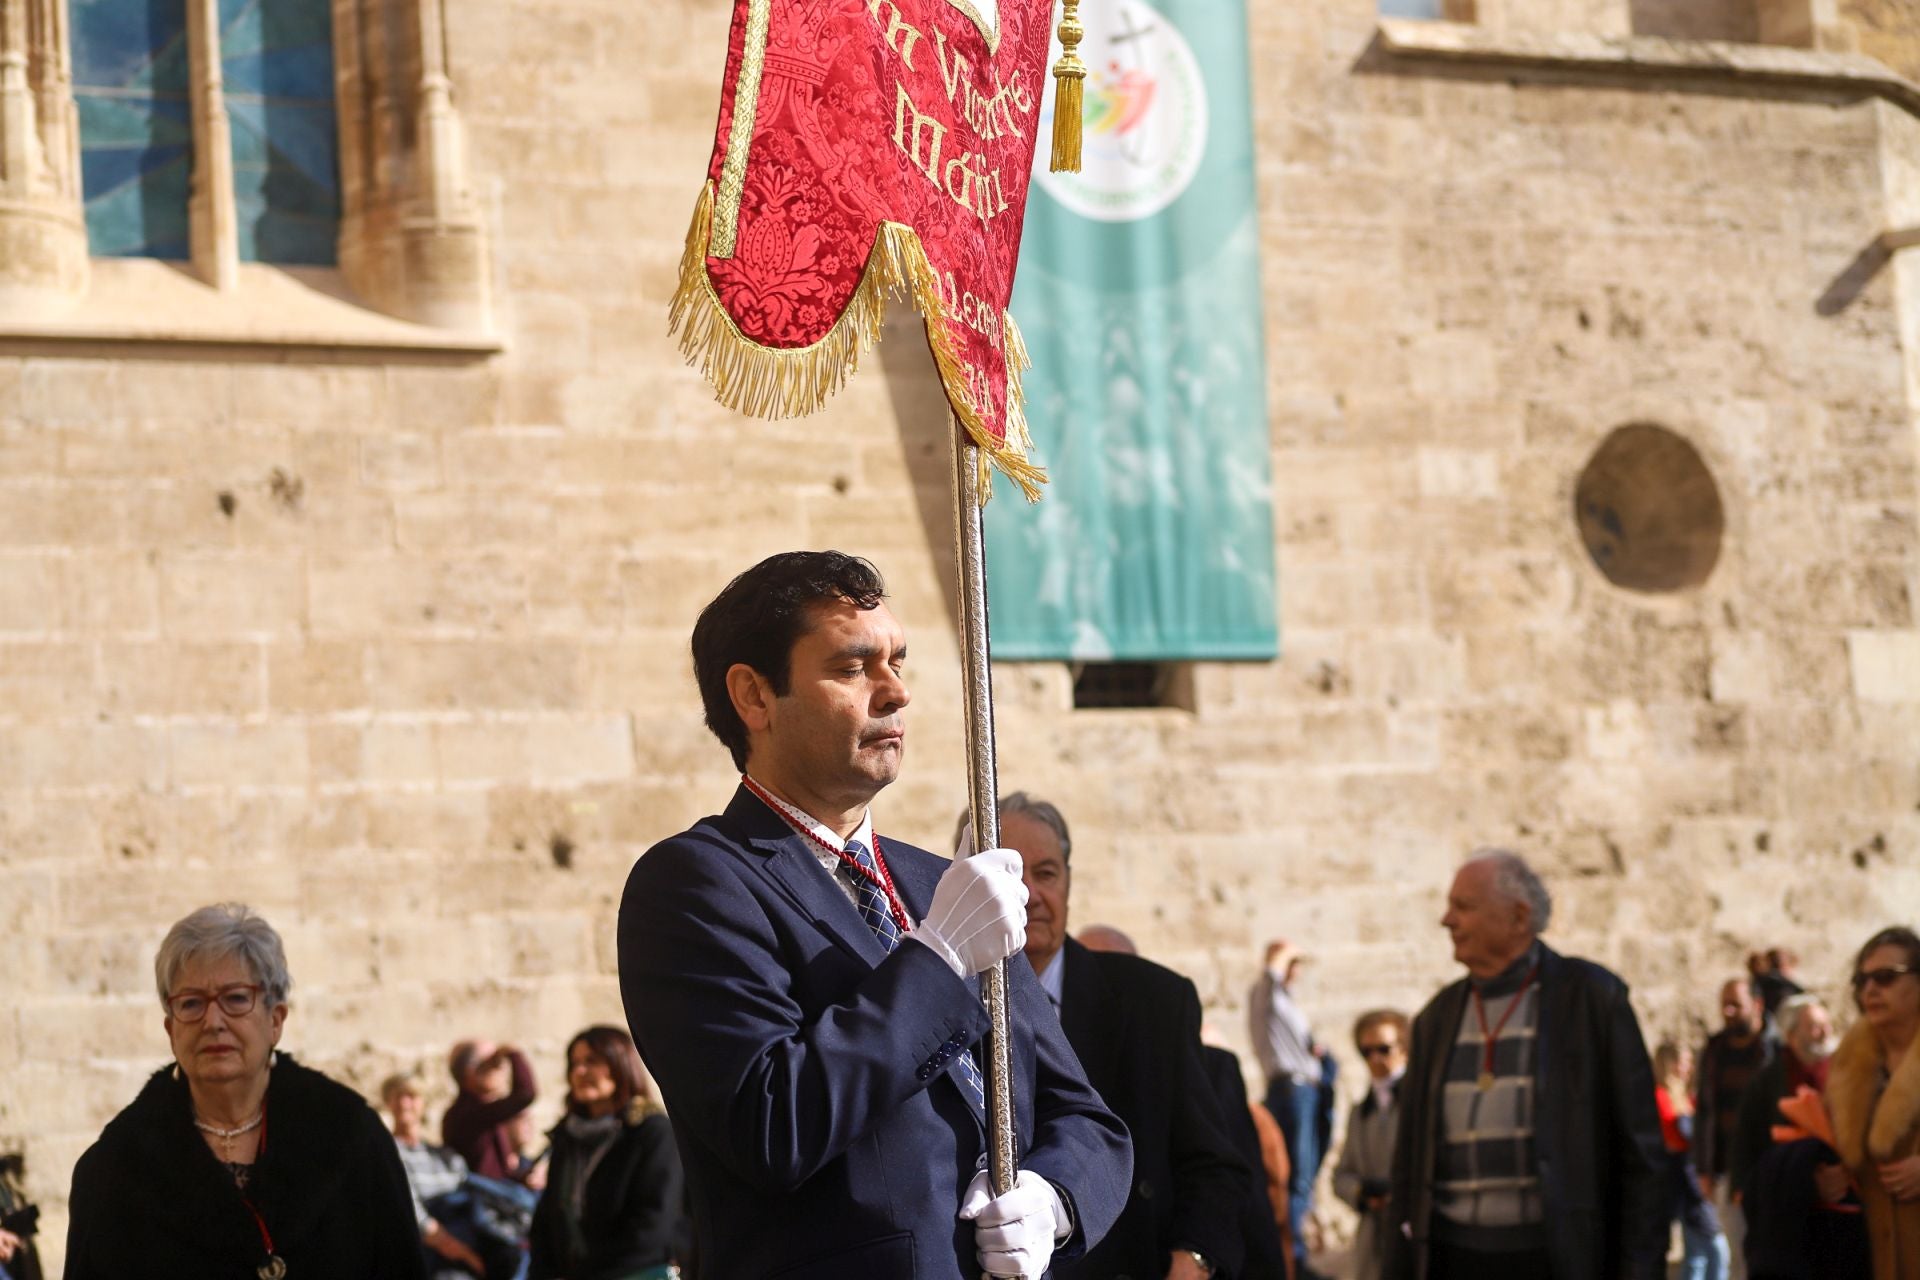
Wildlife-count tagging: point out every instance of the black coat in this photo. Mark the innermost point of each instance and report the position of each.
(632, 1214)
(1266, 1257)
(1135, 1027)
(1596, 1134)
(1712, 1150)
(149, 1199)
(1759, 1112)
(1791, 1234)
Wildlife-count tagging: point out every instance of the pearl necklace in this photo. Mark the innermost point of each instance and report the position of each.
(227, 1136)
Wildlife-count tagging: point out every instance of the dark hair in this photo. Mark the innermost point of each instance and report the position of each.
(1893, 936)
(462, 1060)
(757, 619)
(615, 1048)
(1382, 1018)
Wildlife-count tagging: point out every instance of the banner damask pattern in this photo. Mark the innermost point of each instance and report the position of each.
(868, 149)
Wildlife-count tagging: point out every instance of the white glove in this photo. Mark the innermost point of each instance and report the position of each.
(979, 912)
(1015, 1234)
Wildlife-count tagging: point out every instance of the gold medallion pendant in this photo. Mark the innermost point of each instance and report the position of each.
(1485, 1082)
(274, 1268)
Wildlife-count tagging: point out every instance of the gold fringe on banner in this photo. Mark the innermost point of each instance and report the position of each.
(789, 382)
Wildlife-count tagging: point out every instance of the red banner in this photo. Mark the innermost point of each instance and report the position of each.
(868, 149)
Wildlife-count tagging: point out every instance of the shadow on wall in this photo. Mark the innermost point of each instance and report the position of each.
(920, 407)
(1854, 278)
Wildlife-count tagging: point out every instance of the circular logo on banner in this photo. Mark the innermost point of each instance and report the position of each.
(1145, 126)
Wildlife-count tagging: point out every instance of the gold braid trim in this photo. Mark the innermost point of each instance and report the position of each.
(789, 382)
(746, 105)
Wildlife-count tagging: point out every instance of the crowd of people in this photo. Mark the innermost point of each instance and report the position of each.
(1518, 1126)
(238, 1160)
(1519, 1129)
(808, 997)
(1514, 1128)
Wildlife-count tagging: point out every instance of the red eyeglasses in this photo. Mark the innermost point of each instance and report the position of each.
(236, 1002)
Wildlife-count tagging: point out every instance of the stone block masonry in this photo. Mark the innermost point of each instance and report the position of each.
(395, 648)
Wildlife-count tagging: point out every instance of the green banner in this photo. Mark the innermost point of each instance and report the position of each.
(1139, 296)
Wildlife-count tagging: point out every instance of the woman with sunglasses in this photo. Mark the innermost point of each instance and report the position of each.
(1873, 1093)
(238, 1163)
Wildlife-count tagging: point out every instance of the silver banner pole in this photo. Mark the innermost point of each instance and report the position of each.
(982, 786)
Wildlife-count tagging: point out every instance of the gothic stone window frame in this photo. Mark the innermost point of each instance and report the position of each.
(414, 264)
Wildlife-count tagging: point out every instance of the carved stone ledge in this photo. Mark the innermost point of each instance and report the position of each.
(148, 303)
(1644, 58)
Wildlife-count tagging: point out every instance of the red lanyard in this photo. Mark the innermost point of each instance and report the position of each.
(1490, 1038)
(883, 881)
(274, 1267)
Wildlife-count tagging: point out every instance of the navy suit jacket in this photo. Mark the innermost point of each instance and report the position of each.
(810, 1075)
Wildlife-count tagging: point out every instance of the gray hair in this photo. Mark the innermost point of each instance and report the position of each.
(216, 932)
(1515, 881)
(1019, 802)
(1787, 1016)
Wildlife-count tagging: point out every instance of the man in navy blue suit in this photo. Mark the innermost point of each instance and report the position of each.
(806, 993)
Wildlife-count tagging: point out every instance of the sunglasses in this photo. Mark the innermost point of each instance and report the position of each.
(1881, 977)
(1377, 1050)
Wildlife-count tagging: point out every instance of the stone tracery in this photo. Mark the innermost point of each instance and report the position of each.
(411, 240)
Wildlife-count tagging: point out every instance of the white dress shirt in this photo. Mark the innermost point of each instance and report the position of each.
(828, 858)
(1053, 978)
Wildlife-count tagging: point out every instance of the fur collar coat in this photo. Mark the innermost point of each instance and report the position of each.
(1874, 1124)
(149, 1198)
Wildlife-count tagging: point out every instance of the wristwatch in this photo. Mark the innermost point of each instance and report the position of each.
(1200, 1260)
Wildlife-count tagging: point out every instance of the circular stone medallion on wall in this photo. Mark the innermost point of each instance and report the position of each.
(1649, 511)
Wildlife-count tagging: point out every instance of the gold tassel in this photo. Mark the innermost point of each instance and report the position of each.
(772, 382)
(1069, 79)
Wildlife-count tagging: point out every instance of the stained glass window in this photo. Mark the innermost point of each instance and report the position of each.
(132, 87)
(136, 130)
(276, 58)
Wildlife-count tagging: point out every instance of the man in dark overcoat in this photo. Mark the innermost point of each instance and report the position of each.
(1135, 1025)
(1529, 1146)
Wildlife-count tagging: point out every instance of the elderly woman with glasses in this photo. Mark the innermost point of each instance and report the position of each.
(236, 1161)
(1873, 1093)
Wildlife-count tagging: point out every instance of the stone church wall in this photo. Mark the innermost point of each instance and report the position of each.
(394, 647)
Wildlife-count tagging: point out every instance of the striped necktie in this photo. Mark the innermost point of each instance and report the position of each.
(877, 912)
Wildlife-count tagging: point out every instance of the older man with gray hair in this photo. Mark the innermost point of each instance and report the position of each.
(1529, 1146)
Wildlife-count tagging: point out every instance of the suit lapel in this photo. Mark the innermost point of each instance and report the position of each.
(786, 858)
(915, 883)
